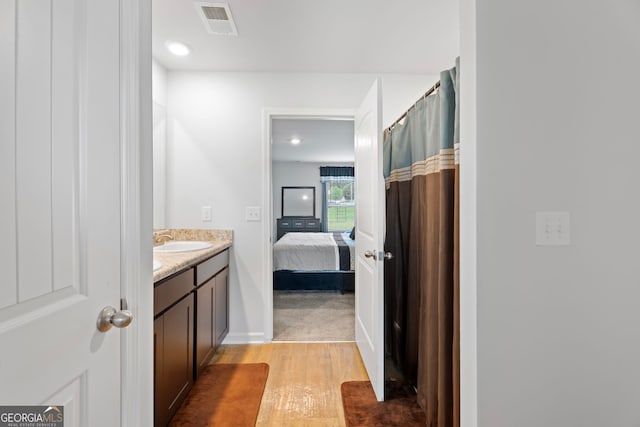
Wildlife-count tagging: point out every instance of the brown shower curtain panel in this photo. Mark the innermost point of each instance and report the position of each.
(422, 281)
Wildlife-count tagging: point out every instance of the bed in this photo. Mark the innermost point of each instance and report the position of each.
(314, 261)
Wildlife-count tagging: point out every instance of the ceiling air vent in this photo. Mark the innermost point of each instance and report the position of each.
(216, 13)
(217, 18)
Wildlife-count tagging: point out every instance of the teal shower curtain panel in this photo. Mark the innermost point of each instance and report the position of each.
(422, 282)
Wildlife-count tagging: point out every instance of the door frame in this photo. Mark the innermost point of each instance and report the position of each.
(267, 196)
(136, 183)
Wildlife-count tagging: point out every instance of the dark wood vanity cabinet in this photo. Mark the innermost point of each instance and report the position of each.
(222, 306)
(173, 344)
(205, 325)
(212, 312)
(191, 311)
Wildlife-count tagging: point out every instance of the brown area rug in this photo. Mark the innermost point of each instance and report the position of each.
(225, 394)
(361, 408)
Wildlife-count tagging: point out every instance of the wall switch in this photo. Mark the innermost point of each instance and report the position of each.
(553, 229)
(206, 213)
(252, 213)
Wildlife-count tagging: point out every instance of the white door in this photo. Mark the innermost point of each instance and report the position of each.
(369, 237)
(60, 206)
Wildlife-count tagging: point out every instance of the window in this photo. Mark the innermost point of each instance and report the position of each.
(338, 198)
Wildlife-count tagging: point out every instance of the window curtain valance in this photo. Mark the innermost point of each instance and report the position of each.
(336, 173)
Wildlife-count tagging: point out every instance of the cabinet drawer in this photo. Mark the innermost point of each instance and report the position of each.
(284, 223)
(170, 291)
(298, 223)
(209, 268)
(312, 223)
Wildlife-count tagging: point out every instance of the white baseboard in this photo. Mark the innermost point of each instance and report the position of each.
(244, 338)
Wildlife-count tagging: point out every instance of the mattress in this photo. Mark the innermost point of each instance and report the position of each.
(314, 252)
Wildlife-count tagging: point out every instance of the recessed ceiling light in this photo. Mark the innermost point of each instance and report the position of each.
(296, 141)
(177, 48)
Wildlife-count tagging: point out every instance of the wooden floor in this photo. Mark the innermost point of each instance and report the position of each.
(303, 388)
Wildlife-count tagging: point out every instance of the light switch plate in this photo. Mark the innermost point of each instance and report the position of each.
(206, 213)
(252, 213)
(553, 229)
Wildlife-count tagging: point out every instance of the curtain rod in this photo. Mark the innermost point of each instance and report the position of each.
(427, 93)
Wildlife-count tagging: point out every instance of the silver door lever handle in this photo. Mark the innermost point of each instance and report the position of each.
(109, 317)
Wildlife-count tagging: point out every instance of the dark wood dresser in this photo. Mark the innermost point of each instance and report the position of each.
(298, 225)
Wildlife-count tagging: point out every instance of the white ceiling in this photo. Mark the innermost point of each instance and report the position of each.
(328, 141)
(330, 36)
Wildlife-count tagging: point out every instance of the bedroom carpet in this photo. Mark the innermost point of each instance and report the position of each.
(361, 408)
(313, 316)
(226, 394)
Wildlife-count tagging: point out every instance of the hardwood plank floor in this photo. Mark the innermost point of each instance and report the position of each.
(303, 388)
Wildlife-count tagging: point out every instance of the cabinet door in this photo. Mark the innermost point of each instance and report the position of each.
(222, 305)
(205, 321)
(160, 396)
(178, 354)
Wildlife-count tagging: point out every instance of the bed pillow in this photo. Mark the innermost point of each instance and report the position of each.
(352, 236)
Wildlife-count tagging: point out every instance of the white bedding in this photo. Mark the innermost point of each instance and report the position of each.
(309, 251)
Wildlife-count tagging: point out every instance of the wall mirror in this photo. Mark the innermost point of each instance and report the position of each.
(298, 201)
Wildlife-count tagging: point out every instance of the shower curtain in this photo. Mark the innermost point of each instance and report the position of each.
(422, 281)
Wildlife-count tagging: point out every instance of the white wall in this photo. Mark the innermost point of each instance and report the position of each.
(159, 83)
(215, 149)
(557, 130)
(468, 217)
(159, 91)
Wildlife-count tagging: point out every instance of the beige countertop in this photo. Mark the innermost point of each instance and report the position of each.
(174, 262)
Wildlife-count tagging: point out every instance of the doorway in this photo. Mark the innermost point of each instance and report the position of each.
(368, 167)
(274, 206)
(313, 214)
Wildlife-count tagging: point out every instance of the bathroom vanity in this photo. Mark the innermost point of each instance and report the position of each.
(191, 318)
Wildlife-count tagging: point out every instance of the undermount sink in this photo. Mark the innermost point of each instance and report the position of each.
(184, 246)
(156, 265)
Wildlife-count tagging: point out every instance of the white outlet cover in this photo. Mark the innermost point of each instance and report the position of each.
(553, 229)
(252, 213)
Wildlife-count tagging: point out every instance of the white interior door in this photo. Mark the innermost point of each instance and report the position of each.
(60, 210)
(369, 237)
